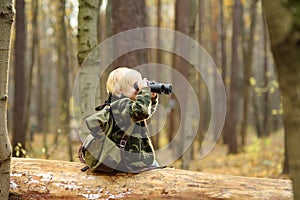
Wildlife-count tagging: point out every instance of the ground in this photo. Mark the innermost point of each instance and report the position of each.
(262, 157)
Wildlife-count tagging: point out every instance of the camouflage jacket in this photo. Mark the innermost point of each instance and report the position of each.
(128, 113)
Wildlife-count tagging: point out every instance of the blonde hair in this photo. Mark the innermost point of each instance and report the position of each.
(121, 80)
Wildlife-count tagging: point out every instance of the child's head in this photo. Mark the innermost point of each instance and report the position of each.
(121, 81)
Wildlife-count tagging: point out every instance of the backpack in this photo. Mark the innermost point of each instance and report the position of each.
(98, 151)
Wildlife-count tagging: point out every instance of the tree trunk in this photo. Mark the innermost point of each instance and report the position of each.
(223, 42)
(128, 14)
(155, 138)
(234, 90)
(87, 27)
(215, 26)
(257, 116)
(63, 75)
(225, 131)
(33, 54)
(224, 70)
(40, 115)
(49, 179)
(41, 119)
(182, 19)
(283, 25)
(87, 40)
(266, 101)
(248, 54)
(6, 20)
(19, 132)
(190, 152)
(203, 95)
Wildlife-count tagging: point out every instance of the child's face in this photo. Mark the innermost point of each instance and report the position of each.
(131, 92)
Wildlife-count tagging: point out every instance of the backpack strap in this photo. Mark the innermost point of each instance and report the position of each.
(107, 102)
(126, 137)
(148, 169)
(84, 168)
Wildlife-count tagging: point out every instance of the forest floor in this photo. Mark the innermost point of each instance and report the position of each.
(262, 157)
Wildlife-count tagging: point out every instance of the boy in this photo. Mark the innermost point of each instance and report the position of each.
(130, 108)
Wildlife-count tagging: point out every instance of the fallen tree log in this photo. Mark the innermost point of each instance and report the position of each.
(50, 179)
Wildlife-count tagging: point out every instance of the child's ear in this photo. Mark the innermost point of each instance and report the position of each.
(120, 91)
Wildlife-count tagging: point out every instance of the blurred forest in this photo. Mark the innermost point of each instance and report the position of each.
(47, 51)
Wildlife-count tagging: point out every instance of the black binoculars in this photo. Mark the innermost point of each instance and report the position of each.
(159, 88)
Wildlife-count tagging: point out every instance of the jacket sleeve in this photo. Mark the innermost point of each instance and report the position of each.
(125, 111)
(141, 108)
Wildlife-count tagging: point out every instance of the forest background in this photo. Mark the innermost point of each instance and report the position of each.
(44, 64)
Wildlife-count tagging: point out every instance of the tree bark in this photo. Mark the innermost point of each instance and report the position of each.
(266, 101)
(126, 15)
(19, 130)
(223, 36)
(63, 74)
(108, 18)
(87, 27)
(248, 54)
(223, 42)
(203, 95)
(6, 20)
(155, 139)
(87, 40)
(49, 179)
(182, 24)
(234, 93)
(283, 25)
(33, 57)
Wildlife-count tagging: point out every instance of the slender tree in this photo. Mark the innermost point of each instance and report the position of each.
(155, 139)
(215, 43)
(63, 74)
(223, 41)
(226, 132)
(19, 128)
(266, 101)
(33, 54)
(283, 25)
(247, 56)
(40, 79)
(6, 20)
(202, 96)
(182, 19)
(234, 93)
(188, 131)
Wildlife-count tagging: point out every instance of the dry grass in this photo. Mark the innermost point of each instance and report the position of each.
(260, 158)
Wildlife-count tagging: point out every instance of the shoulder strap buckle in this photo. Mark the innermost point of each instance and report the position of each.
(123, 141)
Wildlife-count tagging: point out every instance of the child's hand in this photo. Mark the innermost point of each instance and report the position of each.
(153, 94)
